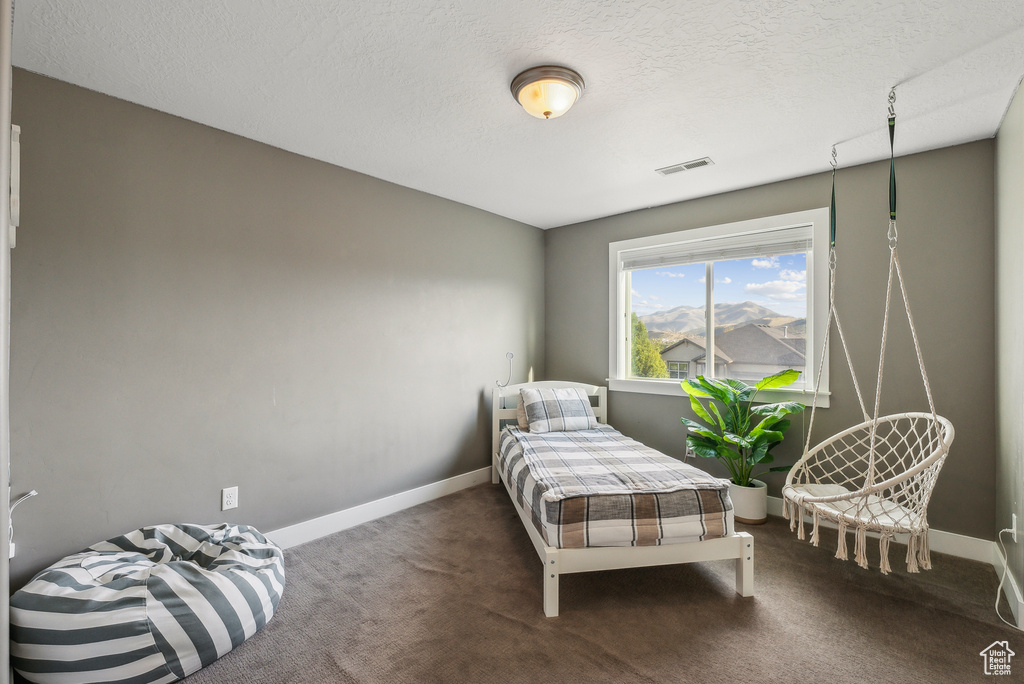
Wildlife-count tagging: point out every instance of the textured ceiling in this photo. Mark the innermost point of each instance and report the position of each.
(417, 91)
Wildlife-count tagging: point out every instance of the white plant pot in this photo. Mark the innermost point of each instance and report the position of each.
(750, 504)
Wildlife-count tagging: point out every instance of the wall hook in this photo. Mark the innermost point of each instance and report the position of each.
(508, 356)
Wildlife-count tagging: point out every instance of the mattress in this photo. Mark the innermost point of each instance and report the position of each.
(600, 488)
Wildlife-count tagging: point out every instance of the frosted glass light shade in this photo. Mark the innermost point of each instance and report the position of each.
(547, 92)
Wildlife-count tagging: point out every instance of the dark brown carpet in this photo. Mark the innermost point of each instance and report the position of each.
(450, 591)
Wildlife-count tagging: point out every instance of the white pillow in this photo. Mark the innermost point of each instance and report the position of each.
(558, 410)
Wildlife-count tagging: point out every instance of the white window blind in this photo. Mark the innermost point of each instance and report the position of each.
(790, 240)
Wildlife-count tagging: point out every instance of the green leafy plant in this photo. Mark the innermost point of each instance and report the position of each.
(737, 433)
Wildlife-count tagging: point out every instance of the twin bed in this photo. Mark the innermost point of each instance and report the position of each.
(592, 499)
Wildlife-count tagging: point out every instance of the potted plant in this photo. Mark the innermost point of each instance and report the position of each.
(739, 434)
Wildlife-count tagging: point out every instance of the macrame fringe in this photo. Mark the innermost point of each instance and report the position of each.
(861, 547)
(883, 549)
(918, 553)
(841, 548)
(912, 554)
(924, 554)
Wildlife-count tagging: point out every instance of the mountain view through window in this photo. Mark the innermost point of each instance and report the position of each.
(760, 318)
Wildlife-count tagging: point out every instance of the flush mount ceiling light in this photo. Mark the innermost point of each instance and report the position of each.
(547, 92)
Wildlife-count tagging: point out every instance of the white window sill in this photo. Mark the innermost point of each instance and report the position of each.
(672, 388)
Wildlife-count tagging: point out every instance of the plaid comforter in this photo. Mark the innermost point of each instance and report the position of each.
(601, 488)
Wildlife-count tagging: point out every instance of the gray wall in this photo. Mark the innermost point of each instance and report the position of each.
(193, 310)
(1010, 327)
(946, 248)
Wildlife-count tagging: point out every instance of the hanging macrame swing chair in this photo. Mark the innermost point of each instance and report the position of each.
(879, 475)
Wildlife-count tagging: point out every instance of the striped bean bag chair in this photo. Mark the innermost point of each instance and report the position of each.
(153, 605)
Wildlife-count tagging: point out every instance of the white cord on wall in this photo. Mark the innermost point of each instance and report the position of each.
(10, 521)
(1002, 580)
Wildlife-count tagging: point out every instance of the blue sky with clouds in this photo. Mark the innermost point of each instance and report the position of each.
(778, 283)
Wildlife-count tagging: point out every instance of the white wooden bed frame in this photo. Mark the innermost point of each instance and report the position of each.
(739, 545)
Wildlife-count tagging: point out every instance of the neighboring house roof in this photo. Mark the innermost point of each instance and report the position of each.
(798, 344)
(719, 354)
(754, 343)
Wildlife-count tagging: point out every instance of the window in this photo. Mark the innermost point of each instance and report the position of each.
(677, 370)
(732, 301)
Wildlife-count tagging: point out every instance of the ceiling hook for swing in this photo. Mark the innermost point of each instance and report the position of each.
(834, 163)
(892, 101)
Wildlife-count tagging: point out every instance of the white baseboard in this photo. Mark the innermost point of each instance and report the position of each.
(307, 531)
(950, 543)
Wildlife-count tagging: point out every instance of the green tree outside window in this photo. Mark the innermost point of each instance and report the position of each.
(647, 361)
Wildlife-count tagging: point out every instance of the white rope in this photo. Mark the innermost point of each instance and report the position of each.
(881, 366)
(824, 346)
(860, 549)
(833, 315)
(883, 550)
(841, 547)
(912, 554)
(913, 334)
(849, 362)
(924, 554)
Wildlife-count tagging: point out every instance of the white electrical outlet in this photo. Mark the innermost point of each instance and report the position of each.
(228, 498)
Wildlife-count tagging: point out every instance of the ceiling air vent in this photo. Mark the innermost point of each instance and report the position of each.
(685, 166)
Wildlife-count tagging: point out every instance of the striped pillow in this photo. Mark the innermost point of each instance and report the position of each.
(558, 410)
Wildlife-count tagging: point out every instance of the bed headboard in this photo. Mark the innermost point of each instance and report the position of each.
(505, 399)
